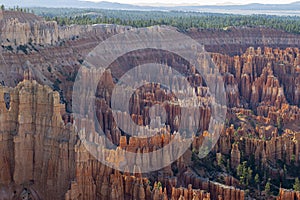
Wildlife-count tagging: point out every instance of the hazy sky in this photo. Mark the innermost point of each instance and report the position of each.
(201, 2)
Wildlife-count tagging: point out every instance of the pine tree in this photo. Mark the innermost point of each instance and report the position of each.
(249, 175)
(159, 185)
(297, 185)
(239, 170)
(256, 179)
(268, 187)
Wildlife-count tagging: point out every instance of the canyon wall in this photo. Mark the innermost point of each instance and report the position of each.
(44, 159)
(42, 156)
(37, 148)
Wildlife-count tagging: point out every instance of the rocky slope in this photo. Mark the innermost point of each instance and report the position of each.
(37, 148)
(43, 158)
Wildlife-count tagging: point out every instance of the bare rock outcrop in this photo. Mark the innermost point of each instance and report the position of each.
(37, 148)
(19, 28)
(43, 158)
(288, 195)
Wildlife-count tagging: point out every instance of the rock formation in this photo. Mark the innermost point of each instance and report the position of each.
(288, 194)
(42, 156)
(37, 147)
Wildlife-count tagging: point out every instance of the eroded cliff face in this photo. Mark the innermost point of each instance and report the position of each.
(55, 53)
(52, 53)
(37, 148)
(235, 40)
(18, 28)
(288, 194)
(263, 77)
(42, 156)
(44, 159)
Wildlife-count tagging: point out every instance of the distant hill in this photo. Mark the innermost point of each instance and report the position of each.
(118, 6)
(71, 3)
